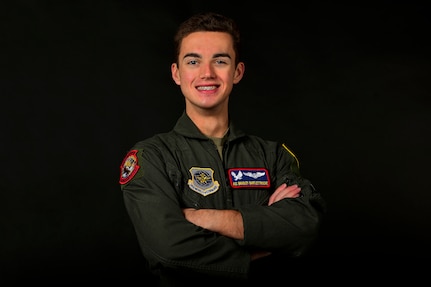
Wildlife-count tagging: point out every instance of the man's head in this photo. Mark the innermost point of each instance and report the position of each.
(208, 22)
(207, 65)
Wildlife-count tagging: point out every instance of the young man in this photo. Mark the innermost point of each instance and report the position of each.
(207, 200)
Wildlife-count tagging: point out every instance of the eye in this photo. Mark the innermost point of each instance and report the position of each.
(220, 62)
(192, 62)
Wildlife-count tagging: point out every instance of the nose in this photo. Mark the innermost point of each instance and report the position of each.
(207, 71)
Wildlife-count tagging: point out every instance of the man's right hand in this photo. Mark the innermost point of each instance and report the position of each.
(284, 191)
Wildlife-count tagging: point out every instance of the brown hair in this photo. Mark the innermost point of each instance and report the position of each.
(208, 21)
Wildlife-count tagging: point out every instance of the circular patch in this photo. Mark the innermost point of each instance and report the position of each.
(129, 167)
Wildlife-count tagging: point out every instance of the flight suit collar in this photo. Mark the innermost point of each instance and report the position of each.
(187, 128)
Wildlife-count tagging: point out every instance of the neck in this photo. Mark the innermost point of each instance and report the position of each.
(211, 125)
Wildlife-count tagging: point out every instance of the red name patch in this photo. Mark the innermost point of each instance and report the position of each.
(249, 178)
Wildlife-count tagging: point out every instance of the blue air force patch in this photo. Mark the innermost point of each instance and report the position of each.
(203, 181)
(129, 167)
(249, 178)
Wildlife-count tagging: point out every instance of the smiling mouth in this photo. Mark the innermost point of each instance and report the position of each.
(206, 88)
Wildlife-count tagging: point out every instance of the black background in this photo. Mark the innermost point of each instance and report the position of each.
(345, 84)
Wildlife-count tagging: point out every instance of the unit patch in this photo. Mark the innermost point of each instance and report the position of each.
(129, 167)
(249, 178)
(203, 181)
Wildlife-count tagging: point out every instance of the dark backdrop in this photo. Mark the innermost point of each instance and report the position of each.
(346, 86)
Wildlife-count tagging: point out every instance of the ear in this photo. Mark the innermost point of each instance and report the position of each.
(239, 72)
(175, 74)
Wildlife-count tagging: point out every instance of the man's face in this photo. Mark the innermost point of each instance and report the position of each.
(206, 70)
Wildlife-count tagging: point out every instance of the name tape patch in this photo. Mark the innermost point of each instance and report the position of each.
(249, 178)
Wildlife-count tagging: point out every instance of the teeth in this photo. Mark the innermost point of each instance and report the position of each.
(206, 88)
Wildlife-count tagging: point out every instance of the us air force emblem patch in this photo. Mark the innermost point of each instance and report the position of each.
(249, 178)
(203, 181)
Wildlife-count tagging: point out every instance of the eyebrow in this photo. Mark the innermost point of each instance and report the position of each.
(195, 55)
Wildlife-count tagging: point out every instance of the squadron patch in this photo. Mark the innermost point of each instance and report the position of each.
(129, 167)
(203, 181)
(249, 178)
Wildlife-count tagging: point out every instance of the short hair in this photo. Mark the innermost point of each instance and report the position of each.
(211, 22)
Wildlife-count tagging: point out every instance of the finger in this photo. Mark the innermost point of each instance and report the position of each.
(288, 192)
(276, 192)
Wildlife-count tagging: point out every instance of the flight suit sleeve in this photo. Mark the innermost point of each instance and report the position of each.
(150, 182)
(289, 226)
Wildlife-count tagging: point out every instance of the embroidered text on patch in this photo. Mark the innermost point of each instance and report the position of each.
(249, 178)
(203, 181)
(129, 167)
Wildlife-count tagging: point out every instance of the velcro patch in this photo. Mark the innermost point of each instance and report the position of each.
(203, 181)
(129, 167)
(249, 178)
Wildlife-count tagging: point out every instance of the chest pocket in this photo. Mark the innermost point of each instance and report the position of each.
(198, 188)
(204, 190)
